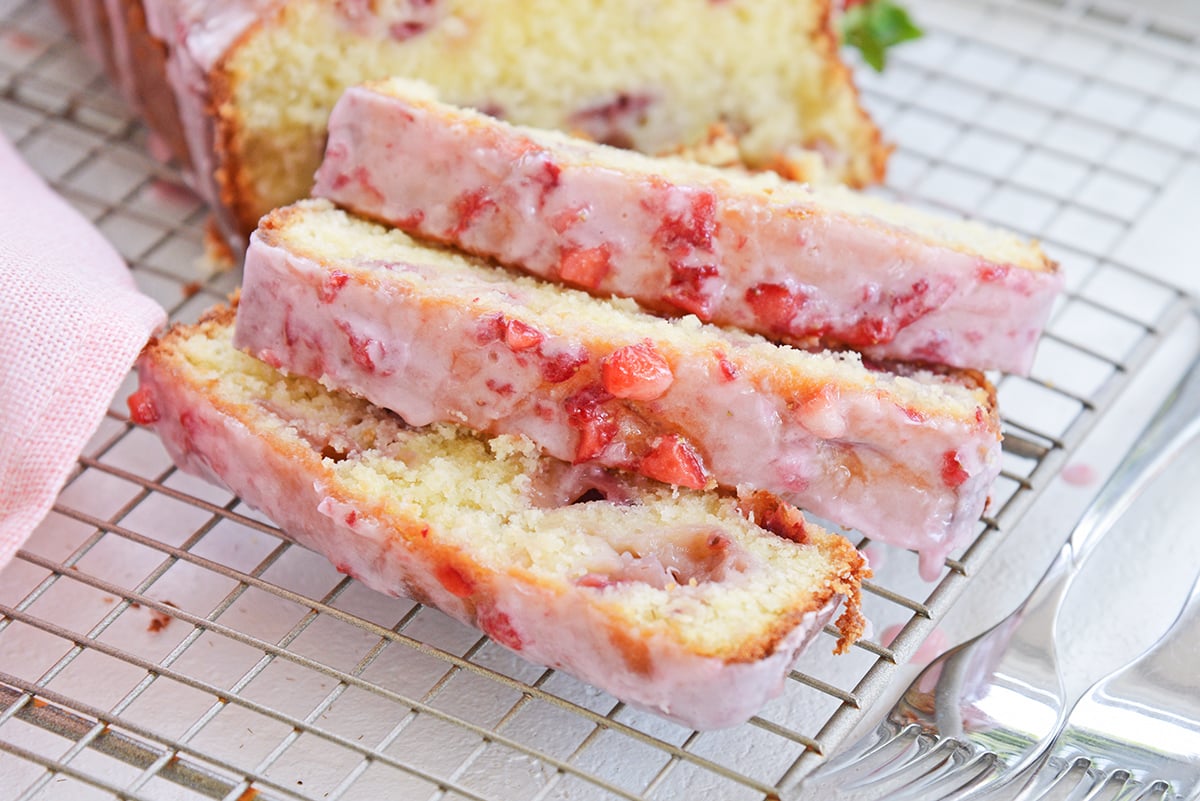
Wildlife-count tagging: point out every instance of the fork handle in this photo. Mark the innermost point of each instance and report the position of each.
(1173, 427)
(1174, 659)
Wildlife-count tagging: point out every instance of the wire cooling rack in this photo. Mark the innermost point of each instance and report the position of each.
(160, 640)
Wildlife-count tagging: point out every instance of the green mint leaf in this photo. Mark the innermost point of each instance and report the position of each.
(874, 26)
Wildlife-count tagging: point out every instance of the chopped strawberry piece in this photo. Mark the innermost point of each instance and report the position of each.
(637, 372)
(595, 580)
(491, 327)
(454, 581)
(360, 347)
(992, 273)
(612, 122)
(362, 176)
(332, 285)
(411, 222)
(771, 513)
(869, 331)
(901, 311)
(694, 288)
(728, 370)
(681, 233)
(499, 627)
(563, 365)
(469, 206)
(563, 220)
(585, 267)
(520, 336)
(401, 31)
(673, 460)
(774, 305)
(546, 178)
(142, 409)
(595, 424)
(953, 473)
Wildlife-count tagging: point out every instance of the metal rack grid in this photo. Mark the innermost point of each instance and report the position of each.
(158, 639)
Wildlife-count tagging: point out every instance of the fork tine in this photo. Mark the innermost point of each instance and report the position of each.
(930, 755)
(1157, 791)
(1144, 791)
(962, 773)
(884, 745)
(1051, 782)
(1106, 785)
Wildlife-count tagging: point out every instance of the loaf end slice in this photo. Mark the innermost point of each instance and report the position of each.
(690, 604)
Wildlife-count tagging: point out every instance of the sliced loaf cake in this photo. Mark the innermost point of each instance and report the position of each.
(439, 337)
(691, 604)
(812, 266)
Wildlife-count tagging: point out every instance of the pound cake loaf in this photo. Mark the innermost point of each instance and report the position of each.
(440, 337)
(690, 604)
(253, 80)
(812, 266)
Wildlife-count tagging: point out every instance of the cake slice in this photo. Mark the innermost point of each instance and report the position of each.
(690, 604)
(249, 83)
(814, 267)
(440, 337)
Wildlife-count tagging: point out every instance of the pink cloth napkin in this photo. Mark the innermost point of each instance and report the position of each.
(71, 324)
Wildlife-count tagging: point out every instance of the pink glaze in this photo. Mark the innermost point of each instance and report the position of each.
(196, 34)
(1079, 474)
(780, 266)
(118, 46)
(859, 458)
(930, 647)
(563, 625)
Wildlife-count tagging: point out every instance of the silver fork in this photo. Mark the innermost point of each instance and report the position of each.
(983, 712)
(1136, 733)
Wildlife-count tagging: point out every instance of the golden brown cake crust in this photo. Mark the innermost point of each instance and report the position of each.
(155, 96)
(232, 177)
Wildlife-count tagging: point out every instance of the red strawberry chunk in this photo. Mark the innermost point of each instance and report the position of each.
(869, 331)
(774, 305)
(595, 424)
(454, 581)
(469, 206)
(673, 460)
(680, 233)
(332, 285)
(585, 267)
(727, 369)
(142, 409)
(360, 347)
(520, 336)
(953, 473)
(992, 273)
(637, 372)
(490, 328)
(562, 366)
(694, 288)
(499, 627)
